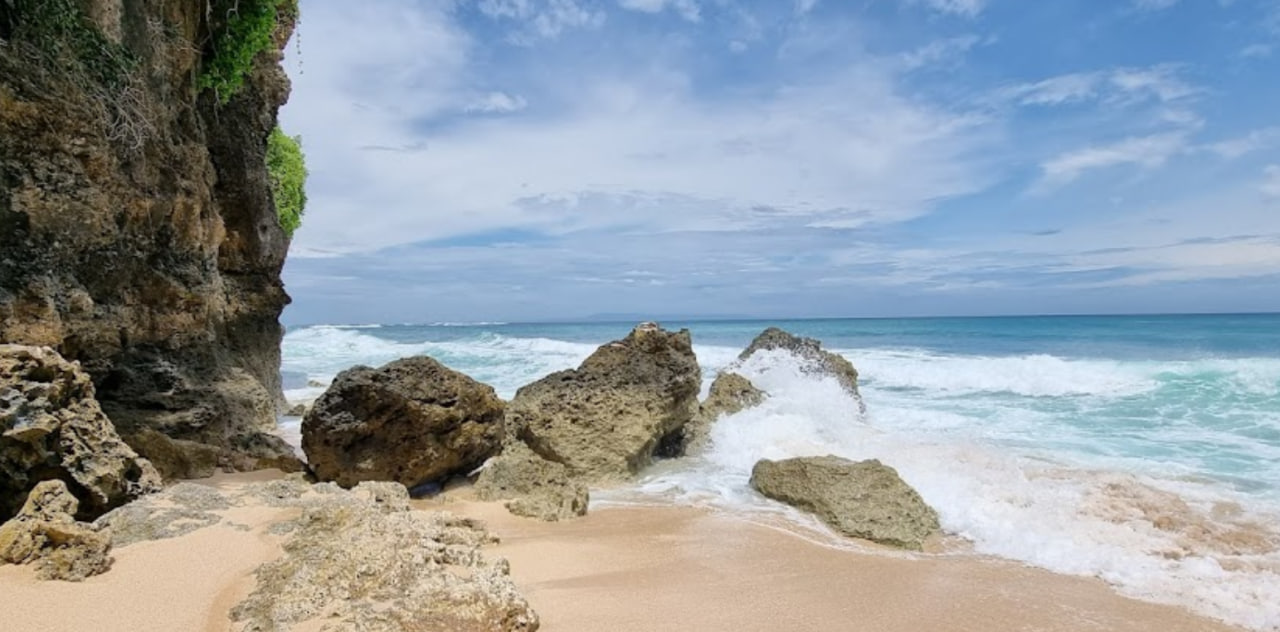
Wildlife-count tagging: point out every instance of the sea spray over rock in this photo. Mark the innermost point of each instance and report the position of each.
(1032, 444)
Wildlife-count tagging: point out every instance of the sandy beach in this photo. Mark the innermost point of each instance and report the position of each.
(618, 568)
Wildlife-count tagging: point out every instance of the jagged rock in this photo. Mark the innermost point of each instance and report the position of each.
(816, 360)
(730, 393)
(606, 419)
(411, 421)
(532, 486)
(361, 560)
(138, 234)
(53, 428)
(297, 410)
(45, 533)
(863, 499)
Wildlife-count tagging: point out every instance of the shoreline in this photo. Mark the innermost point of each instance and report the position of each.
(623, 568)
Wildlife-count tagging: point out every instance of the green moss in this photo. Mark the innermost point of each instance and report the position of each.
(242, 29)
(288, 171)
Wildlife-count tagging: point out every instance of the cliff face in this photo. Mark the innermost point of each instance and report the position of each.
(137, 229)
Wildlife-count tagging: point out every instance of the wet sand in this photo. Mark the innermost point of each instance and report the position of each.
(618, 569)
(670, 568)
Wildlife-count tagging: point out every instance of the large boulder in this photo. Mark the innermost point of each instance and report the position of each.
(53, 428)
(361, 560)
(606, 419)
(358, 559)
(411, 421)
(814, 359)
(863, 499)
(45, 533)
(730, 393)
(532, 486)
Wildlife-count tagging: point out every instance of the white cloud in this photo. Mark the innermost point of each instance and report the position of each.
(498, 102)
(541, 19)
(805, 6)
(688, 9)
(611, 146)
(1154, 5)
(1119, 85)
(1257, 51)
(966, 8)
(939, 51)
(1255, 140)
(1144, 151)
(1271, 181)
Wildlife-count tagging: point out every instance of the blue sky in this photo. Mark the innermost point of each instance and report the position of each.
(551, 159)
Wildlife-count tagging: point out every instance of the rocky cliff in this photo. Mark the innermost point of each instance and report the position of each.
(137, 230)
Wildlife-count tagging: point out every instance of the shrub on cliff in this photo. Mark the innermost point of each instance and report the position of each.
(288, 172)
(242, 30)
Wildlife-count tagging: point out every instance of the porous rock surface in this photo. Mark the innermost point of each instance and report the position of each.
(532, 486)
(53, 428)
(356, 559)
(411, 421)
(730, 393)
(815, 360)
(137, 230)
(863, 499)
(605, 420)
(45, 533)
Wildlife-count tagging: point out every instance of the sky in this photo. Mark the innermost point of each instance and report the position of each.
(525, 160)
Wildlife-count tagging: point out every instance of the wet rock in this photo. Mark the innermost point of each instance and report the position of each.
(532, 486)
(863, 499)
(730, 393)
(410, 421)
(606, 419)
(297, 410)
(53, 428)
(815, 359)
(45, 533)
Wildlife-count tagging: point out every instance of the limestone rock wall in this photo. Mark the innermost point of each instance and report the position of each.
(137, 230)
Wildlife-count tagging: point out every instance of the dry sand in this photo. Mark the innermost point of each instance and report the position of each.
(617, 569)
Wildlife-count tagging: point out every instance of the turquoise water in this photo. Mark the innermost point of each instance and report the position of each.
(1072, 443)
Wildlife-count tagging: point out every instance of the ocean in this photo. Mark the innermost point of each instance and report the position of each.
(1143, 450)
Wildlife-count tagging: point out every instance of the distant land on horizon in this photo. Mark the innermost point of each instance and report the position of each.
(604, 318)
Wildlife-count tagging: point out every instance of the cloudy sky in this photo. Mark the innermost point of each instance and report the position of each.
(553, 159)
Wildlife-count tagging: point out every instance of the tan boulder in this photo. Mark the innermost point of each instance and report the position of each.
(608, 418)
(361, 560)
(532, 486)
(411, 421)
(863, 499)
(52, 427)
(45, 533)
(175, 459)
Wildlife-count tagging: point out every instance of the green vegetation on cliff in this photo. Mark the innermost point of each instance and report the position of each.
(60, 29)
(242, 30)
(288, 171)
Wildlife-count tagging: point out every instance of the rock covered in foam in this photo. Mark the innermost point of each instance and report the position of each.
(730, 393)
(815, 359)
(864, 499)
(53, 427)
(411, 421)
(606, 419)
(45, 533)
(532, 486)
